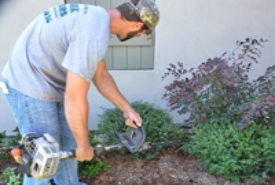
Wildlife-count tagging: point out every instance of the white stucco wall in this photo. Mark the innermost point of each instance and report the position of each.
(189, 31)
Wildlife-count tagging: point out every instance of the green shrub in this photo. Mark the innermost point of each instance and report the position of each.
(6, 143)
(158, 124)
(236, 154)
(14, 141)
(90, 168)
(11, 177)
(93, 167)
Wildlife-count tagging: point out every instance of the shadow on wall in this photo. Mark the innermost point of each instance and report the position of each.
(4, 6)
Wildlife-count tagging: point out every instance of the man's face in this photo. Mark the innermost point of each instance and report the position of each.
(135, 31)
(131, 35)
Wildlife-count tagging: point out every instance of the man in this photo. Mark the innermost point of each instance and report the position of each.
(52, 64)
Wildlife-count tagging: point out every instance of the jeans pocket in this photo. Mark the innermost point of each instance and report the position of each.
(11, 98)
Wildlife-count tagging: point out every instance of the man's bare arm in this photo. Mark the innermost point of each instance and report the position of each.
(108, 88)
(76, 110)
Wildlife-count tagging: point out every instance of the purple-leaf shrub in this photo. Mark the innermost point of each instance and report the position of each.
(220, 89)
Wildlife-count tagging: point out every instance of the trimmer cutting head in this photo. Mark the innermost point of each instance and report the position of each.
(131, 139)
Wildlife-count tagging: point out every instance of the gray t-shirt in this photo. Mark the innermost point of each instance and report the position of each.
(72, 36)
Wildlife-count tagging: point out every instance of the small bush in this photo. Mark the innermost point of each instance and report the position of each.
(93, 167)
(11, 177)
(236, 154)
(14, 141)
(158, 124)
(220, 88)
(90, 168)
(6, 143)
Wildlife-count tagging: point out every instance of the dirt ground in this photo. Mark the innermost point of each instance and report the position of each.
(169, 168)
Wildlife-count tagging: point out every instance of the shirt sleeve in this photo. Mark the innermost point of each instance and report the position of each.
(82, 57)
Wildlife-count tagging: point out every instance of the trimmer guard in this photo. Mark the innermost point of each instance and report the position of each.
(131, 139)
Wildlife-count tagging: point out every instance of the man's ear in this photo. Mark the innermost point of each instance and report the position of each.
(138, 25)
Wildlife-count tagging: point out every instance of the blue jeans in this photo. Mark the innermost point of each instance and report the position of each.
(33, 115)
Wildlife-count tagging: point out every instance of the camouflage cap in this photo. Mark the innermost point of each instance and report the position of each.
(148, 13)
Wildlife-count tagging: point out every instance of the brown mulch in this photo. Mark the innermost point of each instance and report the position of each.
(169, 168)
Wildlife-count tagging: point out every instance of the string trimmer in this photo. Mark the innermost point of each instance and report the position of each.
(40, 155)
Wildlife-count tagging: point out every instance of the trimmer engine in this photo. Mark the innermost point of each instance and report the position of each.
(40, 155)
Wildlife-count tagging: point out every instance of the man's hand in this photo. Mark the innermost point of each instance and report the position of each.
(132, 119)
(84, 153)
